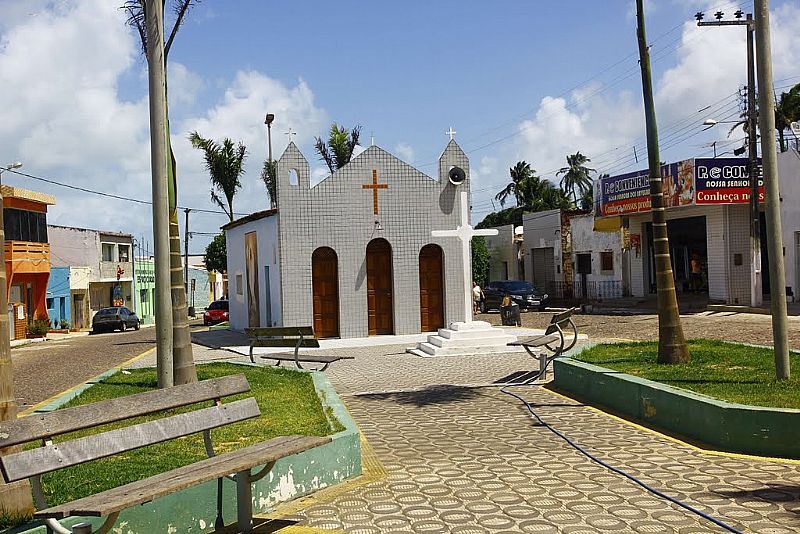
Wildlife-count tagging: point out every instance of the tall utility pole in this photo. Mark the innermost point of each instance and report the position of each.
(154, 11)
(671, 341)
(769, 155)
(15, 497)
(756, 297)
(186, 250)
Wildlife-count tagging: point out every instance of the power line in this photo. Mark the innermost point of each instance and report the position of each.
(108, 195)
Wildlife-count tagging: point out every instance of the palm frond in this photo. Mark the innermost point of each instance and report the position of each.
(325, 155)
(137, 20)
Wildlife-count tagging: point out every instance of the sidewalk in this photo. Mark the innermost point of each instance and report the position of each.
(51, 336)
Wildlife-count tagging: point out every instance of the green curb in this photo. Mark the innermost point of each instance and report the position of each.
(194, 509)
(731, 427)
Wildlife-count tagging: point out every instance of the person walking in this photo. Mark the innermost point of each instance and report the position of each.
(477, 297)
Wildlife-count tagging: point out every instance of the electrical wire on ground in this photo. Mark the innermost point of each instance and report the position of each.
(529, 382)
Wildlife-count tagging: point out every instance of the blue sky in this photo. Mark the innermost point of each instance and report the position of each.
(517, 79)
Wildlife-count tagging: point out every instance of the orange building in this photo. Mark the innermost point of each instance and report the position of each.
(27, 251)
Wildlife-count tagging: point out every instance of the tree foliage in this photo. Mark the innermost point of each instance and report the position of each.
(225, 165)
(575, 180)
(530, 192)
(136, 20)
(338, 150)
(269, 175)
(217, 255)
(787, 111)
(480, 260)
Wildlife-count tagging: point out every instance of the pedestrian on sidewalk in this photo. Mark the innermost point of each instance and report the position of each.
(477, 297)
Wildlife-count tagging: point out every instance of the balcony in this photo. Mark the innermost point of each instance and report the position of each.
(108, 270)
(27, 256)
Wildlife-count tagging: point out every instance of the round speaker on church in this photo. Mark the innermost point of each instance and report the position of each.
(457, 175)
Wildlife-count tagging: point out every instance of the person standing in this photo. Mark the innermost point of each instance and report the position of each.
(696, 275)
(477, 297)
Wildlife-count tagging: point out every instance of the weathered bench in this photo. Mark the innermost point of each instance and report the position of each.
(553, 339)
(51, 456)
(289, 336)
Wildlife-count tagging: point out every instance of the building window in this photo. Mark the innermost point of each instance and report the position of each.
(124, 253)
(108, 252)
(584, 264)
(239, 283)
(143, 296)
(606, 261)
(24, 225)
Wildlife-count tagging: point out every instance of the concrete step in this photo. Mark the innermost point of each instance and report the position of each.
(432, 350)
(500, 338)
(471, 334)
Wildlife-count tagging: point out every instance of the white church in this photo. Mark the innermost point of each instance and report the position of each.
(353, 255)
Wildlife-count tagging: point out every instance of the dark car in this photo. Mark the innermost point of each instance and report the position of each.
(217, 312)
(521, 293)
(116, 318)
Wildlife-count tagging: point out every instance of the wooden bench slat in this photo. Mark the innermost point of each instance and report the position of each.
(275, 331)
(60, 455)
(313, 358)
(40, 426)
(285, 342)
(141, 491)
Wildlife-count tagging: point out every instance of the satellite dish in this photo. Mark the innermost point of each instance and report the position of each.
(457, 175)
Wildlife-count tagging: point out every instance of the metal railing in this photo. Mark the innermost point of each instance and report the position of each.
(595, 290)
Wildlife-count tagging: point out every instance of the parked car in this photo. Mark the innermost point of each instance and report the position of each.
(116, 318)
(217, 312)
(525, 295)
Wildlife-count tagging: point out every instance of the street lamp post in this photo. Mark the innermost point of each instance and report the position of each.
(756, 297)
(268, 121)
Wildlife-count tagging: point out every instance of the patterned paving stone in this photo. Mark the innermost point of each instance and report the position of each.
(465, 460)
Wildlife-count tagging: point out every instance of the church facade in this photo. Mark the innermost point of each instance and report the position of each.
(353, 255)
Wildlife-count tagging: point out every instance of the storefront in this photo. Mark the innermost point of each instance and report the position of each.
(708, 221)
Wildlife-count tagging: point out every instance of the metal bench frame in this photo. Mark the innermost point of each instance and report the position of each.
(553, 339)
(277, 334)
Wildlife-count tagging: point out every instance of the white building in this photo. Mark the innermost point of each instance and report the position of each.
(708, 219)
(353, 255)
(567, 257)
(505, 254)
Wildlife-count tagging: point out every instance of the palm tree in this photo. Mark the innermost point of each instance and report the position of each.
(576, 175)
(520, 173)
(787, 111)
(269, 175)
(183, 369)
(672, 347)
(224, 163)
(338, 151)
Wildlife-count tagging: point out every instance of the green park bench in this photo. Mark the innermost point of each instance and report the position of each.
(50, 456)
(289, 336)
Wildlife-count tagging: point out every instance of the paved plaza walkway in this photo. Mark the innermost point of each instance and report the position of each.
(446, 456)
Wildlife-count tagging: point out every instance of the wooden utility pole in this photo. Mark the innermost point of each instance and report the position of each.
(671, 342)
(769, 156)
(154, 12)
(15, 498)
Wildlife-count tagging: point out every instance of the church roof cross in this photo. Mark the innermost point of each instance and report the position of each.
(452, 133)
(290, 133)
(375, 186)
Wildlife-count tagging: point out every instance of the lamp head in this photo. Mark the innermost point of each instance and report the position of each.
(15, 165)
(270, 117)
(709, 122)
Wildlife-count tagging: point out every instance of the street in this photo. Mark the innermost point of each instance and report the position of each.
(42, 370)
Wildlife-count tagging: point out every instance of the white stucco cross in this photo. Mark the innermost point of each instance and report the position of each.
(290, 133)
(465, 232)
(452, 133)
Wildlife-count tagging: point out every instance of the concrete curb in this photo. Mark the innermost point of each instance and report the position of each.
(194, 509)
(754, 430)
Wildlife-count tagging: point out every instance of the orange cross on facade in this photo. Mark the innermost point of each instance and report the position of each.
(375, 186)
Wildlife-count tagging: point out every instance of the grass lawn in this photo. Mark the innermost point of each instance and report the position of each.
(288, 402)
(726, 371)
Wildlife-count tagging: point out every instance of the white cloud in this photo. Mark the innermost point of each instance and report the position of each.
(405, 152)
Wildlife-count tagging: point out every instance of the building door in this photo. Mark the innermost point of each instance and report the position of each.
(379, 287)
(543, 267)
(251, 270)
(325, 285)
(431, 288)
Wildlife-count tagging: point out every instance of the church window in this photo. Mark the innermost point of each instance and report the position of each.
(293, 178)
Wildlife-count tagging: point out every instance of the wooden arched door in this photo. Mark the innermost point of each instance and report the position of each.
(379, 287)
(325, 284)
(431, 288)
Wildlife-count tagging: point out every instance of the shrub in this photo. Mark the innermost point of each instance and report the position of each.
(39, 327)
(64, 324)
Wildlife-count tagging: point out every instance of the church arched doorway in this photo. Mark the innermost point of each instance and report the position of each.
(325, 284)
(431, 288)
(379, 287)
